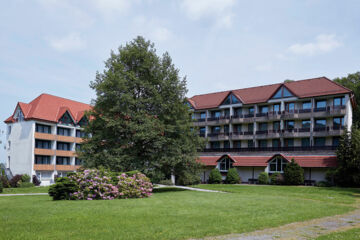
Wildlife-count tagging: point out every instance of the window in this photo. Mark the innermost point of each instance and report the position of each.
(84, 122)
(237, 144)
(263, 126)
(227, 112)
(42, 144)
(215, 114)
(289, 142)
(9, 145)
(9, 130)
(321, 104)
(276, 125)
(42, 159)
(78, 147)
(306, 124)
(277, 164)
(231, 99)
(336, 141)
(319, 142)
(63, 146)
(203, 115)
(202, 130)
(66, 119)
(306, 105)
(225, 164)
(215, 129)
(305, 142)
(78, 162)
(320, 123)
(80, 134)
(251, 110)
(43, 128)
(276, 108)
(263, 143)
(283, 92)
(226, 144)
(276, 142)
(63, 131)
(338, 122)
(290, 107)
(250, 143)
(237, 128)
(62, 160)
(237, 111)
(226, 128)
(289, 124)
(250, 127)
(339, 101)
(8, 162)
(214, 145)
(19, 116)
(264, 109)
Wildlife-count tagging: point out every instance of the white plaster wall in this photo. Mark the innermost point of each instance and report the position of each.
(246, 172)
(21, 151)
(349, 113)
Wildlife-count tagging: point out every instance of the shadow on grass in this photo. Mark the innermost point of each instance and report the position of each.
(168, 189)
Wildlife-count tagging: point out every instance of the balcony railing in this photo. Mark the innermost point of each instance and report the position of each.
(271, 149)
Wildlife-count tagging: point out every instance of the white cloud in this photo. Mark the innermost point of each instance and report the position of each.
(220, 9)
(322, 44)
(110, 7)
(152, 28)
(160, 34)
(72, 41)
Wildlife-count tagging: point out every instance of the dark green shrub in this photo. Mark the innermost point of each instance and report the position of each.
(36, 181)
(25, 178)
(15, 181)
(1, 187)
(330, 176)
(4, 181)
(215, 176)
(156, 176)
(232, 176)
(263, 178)
(132, 173)
(62, 189)
(293, 174)
(26, 185)
(323, 184)
(276, 179)
(188, 178)
(166, 182)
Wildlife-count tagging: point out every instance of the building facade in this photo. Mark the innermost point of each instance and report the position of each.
(262, 128)
(43, 136)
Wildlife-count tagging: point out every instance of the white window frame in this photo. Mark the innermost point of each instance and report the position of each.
(228, 164)
(274, 162)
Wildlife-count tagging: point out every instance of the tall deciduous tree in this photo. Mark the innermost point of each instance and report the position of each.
(352, 81)
(140, 120)
(348, 152)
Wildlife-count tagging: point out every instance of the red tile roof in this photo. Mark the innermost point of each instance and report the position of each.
(50, 108)
(262, 161)
(301, 89)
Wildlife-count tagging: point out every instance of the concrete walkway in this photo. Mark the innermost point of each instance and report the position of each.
(188, 188)
(301, 230)
(22, 194)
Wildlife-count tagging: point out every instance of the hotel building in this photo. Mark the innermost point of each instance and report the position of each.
(43, 135)
(262, 128)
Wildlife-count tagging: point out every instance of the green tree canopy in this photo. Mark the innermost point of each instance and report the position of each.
(140, 120)
(348, 152)
(352, 81)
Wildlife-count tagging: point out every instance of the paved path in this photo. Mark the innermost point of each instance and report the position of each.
(189, 188)
(22, 194)
(301, 230)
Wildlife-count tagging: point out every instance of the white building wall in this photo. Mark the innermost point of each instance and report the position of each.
(21, 149)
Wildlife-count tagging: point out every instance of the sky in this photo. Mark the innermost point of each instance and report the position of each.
(56, 46)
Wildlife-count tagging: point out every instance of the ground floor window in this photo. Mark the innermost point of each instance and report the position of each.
(42, 159)
(44, 175)
(225, 164)
(277, 164)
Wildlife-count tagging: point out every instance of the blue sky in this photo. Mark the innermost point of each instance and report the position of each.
(56, 46)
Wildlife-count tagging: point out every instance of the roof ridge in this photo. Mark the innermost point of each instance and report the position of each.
(68, 99)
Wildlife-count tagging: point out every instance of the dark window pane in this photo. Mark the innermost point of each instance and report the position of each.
(276, 108)
(321, 104)
(264, 109)
(250, 143)
(306, 124)
(251, 110)
(276, 142)
(306, 105)
(286, 93)
(320, 123)
(263, 143)
(305, 142)
(278, 94)
(319, 141)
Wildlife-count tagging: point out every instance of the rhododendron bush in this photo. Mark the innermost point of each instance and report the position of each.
(92, 184)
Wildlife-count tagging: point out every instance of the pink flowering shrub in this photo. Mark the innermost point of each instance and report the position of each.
(92, 184)
(137, 186)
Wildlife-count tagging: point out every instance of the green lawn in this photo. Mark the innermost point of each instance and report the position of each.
(352, 234)
(25, 190)
(169, 215)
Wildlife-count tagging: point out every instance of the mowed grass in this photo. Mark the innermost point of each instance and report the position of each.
(168, 214)
(351, 234)
(25, 190)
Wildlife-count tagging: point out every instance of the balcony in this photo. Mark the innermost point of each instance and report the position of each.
(241, 135)
(63, 153)
(218, 120)
(219, 136)
(243, 118)
(45, 152)
(274, 115)
(65, 167)
(44, 136)
(200, 122)
(272, 149)
(61, 138)
(44, 167)
(79, 140)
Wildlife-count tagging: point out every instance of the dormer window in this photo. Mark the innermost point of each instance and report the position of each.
(66, 119)
(277, 164)
(225, 164)
(19, 116)
(283, 92)
(231, 99)
(83, 122)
